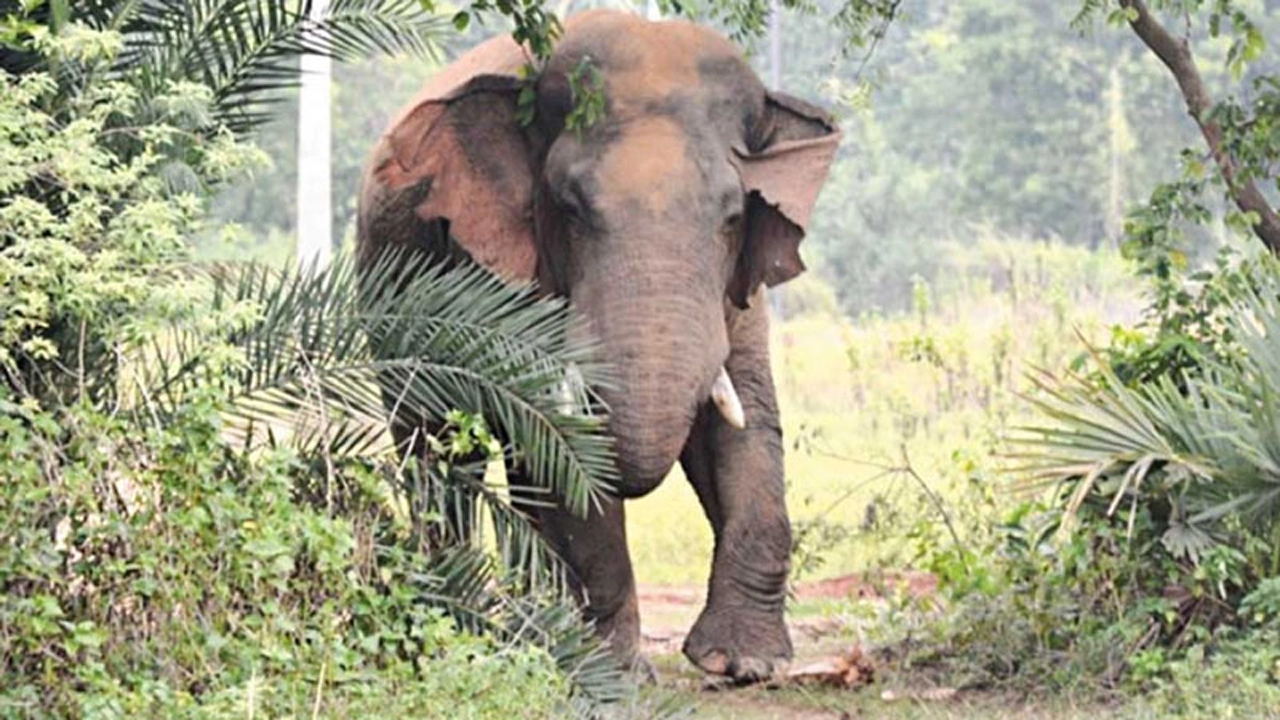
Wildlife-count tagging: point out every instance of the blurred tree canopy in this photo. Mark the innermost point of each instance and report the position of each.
(1029, 120)
(1012, 119)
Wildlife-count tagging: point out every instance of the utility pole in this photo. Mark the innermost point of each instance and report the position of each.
(1120, 142)
(314, 221)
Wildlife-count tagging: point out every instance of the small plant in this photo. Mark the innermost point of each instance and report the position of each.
(586, 88)
(811, 540)
(1262, 605)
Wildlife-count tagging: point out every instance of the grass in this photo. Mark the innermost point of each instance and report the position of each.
(892, 699)
(833, 704)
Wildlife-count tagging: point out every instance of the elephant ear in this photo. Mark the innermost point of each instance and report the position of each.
(461, 152)
(782, 170)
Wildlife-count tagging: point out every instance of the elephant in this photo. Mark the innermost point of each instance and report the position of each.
(662, 223)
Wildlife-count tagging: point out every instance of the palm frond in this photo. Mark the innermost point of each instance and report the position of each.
(463, 582)
(327, 351)
(1109, 428)
(1108, 441)
(246, 50)
(1213, 441)
(336, 345)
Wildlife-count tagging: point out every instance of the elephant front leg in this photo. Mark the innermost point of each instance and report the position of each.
(738, 476)
(595, 550)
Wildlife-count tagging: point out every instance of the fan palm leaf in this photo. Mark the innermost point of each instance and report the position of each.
(1211, 442)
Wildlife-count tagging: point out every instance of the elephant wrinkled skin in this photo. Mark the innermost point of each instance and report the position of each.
(662, 223)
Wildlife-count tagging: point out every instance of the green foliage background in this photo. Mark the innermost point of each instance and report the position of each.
(200, 512)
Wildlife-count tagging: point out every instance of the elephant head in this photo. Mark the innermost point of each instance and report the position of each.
(658, 221)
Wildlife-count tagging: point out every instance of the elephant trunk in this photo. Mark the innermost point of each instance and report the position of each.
(667, 347)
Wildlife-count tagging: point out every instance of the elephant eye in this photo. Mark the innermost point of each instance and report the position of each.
(732, 205)
(733, 225)
(573, 201)
(570, 206)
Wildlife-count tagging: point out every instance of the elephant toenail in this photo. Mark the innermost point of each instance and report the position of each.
(750, 670)
(715, 662)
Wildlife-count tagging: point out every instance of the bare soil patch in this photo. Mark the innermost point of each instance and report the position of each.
(668, 611)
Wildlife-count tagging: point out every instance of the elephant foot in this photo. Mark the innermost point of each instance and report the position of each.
(749, 647)
(620, 631)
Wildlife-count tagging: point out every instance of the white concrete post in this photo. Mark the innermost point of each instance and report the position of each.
(775, 83)
(314, 205)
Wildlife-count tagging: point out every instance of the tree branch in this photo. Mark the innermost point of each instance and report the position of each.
(1175, 53)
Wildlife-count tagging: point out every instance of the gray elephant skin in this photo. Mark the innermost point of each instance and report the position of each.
(662, 223)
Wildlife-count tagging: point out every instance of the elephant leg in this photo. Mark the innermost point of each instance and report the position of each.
(738, 476)
(595, 550)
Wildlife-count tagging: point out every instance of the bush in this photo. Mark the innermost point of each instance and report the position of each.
(1147, 550)
(1236, 676)
(1195, 454)
(200, 515)
(155, 573)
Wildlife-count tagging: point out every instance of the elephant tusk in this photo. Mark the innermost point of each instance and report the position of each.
(726, 400)
(571, 389)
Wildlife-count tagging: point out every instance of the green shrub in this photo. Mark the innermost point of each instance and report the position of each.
(199, 512)
(1196, 455)
(1236, 676)
(1148, 550)
(154, 573)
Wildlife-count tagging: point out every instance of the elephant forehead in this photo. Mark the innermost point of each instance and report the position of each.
(646, 61)
(647, 161)
(652, 70)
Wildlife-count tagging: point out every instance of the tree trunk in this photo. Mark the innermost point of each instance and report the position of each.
(1175, 53)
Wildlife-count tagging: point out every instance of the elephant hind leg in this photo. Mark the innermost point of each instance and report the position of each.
(698, 462)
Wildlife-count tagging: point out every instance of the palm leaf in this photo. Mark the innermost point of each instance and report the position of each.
(325, 352)
(1215, 438)
(330, 346)
(246, 51)
(463, 582)
(1106, 440)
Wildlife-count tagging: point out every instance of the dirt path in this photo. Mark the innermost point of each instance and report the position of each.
(667, 613)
